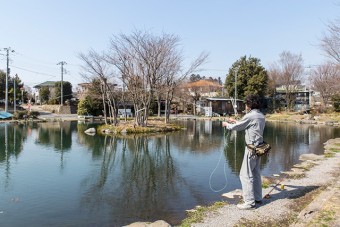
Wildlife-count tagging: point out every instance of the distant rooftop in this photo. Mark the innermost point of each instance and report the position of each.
(204, 83)
(223, 99)
(45, 84)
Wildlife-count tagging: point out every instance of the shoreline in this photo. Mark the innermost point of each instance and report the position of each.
(310, 197)
(332, 119)
(311, 200)
(293, 205)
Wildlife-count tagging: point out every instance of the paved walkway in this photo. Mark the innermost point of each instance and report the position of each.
(47, 115)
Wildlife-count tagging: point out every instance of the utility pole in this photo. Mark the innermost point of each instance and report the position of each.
(235, 87)
(62, 63)
(14, 92)
(8, 50)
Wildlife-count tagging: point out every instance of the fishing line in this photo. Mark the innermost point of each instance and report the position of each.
(226, 144)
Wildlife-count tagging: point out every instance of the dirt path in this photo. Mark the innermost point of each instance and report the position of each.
(314, 199)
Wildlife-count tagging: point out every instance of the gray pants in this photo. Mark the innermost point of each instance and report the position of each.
(250, 177)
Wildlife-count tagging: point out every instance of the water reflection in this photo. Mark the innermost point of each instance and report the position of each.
(66, 177)
(198, 137)
(290, 140)
(137, 179)
(56, 134)
(12, 138)
(11, 144)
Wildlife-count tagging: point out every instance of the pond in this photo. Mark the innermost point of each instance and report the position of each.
(53, 174)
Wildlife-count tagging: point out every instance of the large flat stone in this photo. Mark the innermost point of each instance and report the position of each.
(159, 223)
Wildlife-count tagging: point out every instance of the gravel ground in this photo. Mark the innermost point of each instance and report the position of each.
(278, 206)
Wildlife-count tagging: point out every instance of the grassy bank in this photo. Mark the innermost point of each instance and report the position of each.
(128, 127)
(295, 117)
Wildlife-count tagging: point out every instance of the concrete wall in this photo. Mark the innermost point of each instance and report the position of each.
(60, 109)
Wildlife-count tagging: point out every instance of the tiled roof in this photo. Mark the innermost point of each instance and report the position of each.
(45, 84)
(204, 83)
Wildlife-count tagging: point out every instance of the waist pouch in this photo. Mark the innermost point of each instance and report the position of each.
(260, 149)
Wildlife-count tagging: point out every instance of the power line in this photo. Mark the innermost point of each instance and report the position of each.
(35, 60)
(50, 76)
(45, 63)
(222, 70)
(34, 71)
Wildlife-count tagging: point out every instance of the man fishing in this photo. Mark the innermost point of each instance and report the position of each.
(253, 123)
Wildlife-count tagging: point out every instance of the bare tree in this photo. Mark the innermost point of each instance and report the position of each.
(330, 43)
(273, 76)
(148, 64)
(198, 89)
(95, 67)
(174, 77)
(289, 70)
(273, 82)
(195, 93)
(135, 57)
(325, 79)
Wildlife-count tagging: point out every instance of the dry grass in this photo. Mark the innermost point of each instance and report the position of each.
(129, 127)
(198, 215)
(294, 117)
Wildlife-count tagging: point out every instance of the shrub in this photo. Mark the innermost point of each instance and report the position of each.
(336, 100)
(84, 107)
(20, 114)
(34, 114)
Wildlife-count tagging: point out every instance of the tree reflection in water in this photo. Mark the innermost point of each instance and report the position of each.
(135, 176)
(119, 180)
(12, 138)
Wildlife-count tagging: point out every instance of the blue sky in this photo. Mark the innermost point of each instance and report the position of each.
(45, 32)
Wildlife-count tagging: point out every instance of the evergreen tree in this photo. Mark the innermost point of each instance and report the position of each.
(44, 94)
(2, 84)
(252, 78)
(67, 90)
(336, 102)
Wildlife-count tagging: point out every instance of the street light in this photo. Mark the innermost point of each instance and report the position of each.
(235, 103)
(22, 95)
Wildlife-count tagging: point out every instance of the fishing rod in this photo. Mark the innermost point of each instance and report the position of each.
(267, 196)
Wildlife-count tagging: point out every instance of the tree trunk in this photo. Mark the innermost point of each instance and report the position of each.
(104, 105)
(194, 107)
(159, 105)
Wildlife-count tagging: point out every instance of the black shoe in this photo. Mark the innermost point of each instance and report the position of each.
(259, 202)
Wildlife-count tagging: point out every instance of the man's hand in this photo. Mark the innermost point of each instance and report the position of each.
(228, 121)
(231, 120)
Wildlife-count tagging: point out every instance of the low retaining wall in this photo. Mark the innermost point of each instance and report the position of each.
(60, 109)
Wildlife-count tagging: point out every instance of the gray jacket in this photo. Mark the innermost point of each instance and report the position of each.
(253, 123)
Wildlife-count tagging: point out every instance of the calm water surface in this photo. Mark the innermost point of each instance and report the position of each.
(52, 174)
